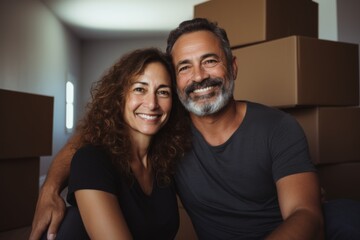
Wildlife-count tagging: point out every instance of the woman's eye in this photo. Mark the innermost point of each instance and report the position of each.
(138, 89)
(164, 93)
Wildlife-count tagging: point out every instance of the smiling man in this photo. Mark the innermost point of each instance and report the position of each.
(248, 175)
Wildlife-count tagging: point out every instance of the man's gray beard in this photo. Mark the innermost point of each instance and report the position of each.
(209, 108)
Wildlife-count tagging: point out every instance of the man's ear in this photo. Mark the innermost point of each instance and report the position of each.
(234, 67)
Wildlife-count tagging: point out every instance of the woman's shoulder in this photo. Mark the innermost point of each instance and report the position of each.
(90, 155)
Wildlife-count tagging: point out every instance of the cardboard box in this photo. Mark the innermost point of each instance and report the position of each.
(296, 71)
(333, 133)
(19, 186)
(252, 21)
(186, 228)
(26, 124)
(340, 180)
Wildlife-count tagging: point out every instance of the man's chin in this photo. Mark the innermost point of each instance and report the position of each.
(200, 109)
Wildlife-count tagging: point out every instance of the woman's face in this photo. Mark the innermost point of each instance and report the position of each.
(149, 100)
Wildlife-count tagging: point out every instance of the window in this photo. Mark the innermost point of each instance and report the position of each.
(69, 106)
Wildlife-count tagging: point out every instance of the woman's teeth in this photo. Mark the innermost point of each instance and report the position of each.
(149, 117)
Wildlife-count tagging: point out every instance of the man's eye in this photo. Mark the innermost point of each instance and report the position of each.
(183, 69)
(210, 62)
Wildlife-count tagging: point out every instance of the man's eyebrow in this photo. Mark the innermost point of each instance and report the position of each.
(186, 61)
(209, 55)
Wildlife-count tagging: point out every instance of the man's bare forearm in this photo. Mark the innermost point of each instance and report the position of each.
(301, 225)
(58, 173)
(50, 207)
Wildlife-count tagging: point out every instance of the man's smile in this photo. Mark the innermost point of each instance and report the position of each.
(201, 90)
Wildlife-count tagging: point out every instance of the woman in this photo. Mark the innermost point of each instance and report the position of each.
(130, 139)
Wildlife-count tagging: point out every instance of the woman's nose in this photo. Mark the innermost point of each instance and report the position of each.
(152, 101)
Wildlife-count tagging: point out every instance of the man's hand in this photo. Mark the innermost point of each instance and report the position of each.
(50, 207)
(50, 210)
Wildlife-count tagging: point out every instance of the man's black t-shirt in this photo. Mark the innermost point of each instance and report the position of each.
(229, 191)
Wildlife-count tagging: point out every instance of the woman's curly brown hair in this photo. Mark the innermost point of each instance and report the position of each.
(104, 124)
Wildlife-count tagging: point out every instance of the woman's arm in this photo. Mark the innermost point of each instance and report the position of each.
(101, 214)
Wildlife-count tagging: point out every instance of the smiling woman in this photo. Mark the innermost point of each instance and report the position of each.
(121, 176)
(148, 102)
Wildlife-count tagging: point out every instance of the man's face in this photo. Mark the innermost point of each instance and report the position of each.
(204, 84)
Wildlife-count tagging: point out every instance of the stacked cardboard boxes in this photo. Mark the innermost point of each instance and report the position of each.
(26, 125)
(254, 21)
(282, 63)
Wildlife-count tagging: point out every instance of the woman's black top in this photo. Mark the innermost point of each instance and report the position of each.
(153, 216)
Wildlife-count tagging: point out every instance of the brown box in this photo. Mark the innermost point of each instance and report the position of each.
(297, 70)
(19, 186)
(252, 21)
(26, 124)
(340, 180)
(186, 228)
(333, 133)
(25, 134)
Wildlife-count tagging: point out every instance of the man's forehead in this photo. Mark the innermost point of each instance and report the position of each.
(195, 43)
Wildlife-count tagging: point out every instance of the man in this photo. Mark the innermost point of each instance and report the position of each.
(248, 174)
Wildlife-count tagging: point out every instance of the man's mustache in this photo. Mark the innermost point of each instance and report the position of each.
(203, 84)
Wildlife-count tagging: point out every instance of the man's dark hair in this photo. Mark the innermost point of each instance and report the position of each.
(201, 24)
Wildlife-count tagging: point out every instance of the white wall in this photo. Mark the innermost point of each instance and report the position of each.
(349, 22)
(36, 54)
(327, 19)
(339, 20)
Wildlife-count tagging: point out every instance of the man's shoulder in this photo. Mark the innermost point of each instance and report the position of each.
(263, 110)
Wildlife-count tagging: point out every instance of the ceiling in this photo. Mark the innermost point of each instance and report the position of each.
(94, 19)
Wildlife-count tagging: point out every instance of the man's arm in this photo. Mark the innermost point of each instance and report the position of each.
(50, 207)
(300, 205)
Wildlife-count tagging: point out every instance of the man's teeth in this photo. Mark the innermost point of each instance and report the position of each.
(150, 117)
(202, 89)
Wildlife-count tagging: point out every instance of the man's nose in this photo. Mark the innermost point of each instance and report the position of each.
(199, 73)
